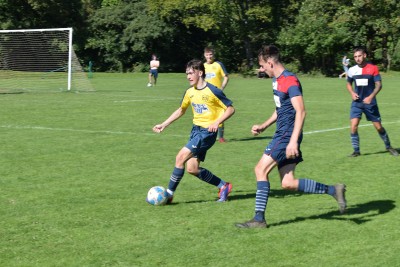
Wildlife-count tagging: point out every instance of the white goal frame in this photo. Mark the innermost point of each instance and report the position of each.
(71, 53)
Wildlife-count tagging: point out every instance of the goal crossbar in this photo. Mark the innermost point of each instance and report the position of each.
(38, 30)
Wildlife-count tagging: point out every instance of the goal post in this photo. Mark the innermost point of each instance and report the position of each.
(40, 59)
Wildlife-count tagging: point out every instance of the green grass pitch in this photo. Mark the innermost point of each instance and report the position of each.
(75, 169)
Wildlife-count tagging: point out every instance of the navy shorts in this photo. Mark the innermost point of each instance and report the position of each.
(200, 141)
(154, 72)
(276, 149)
(371, 111)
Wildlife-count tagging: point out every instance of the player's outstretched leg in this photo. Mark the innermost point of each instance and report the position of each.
(340, 190)
(337, 191)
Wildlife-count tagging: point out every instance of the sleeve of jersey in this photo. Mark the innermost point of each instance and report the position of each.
(377, 76)
(294, 91)
(293, 86)
(185, 102)
(350, 75)
(223, 68)
(221, 96)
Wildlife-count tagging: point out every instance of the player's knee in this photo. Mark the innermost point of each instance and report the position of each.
(381, 130)
(192, 170)
(258, 171)
(180, 161)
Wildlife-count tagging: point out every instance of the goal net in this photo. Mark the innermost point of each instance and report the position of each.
(41, 59)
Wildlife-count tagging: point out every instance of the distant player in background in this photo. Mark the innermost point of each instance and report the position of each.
(284, 149)
(367, 84)
(346, 65)
(217, 75)
(153, 74)
(210, 108)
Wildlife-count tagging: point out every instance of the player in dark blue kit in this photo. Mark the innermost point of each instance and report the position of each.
(367, 84)
(284, 149)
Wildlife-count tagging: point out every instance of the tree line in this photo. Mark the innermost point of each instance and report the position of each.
(121, 35)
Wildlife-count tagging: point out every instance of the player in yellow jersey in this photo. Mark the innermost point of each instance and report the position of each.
(217, 75)
(210, 108)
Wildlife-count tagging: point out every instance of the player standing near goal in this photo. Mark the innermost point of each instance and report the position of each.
(153, 74)
(284, 149)
(210, 108)
(217, 75)
(368, 83)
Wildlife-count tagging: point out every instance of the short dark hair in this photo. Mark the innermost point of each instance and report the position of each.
(209, 49)
(196, 64)
(361, 49)
(269, 51)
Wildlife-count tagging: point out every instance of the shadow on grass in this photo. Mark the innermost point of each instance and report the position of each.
(243, 195)
(10, 92)
(251, 138)
(358, 214)
(276, 193)
(379, 152)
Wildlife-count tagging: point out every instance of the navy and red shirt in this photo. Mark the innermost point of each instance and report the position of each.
(364, 80)
(284, 88)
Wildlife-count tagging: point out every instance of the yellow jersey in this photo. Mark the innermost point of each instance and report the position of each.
(208, 104)
(215, 73)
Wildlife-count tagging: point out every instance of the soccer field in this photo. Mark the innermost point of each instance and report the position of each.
(75, 169)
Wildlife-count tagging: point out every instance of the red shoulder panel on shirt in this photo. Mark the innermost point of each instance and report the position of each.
(284, 83)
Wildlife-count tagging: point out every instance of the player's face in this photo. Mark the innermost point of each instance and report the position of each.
(193, 76)
(209, 56)
(359, 57)
(266, 66)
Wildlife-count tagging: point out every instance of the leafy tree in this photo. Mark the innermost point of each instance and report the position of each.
(232, 27)
(37, 14)
(313, 35)
(323, 31)
(123, 33)
(32, 14)
(320, 33)
(376, 24)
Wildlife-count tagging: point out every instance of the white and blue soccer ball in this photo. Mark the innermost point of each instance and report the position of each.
(157, 196)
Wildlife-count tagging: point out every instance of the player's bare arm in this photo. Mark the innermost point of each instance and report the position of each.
(224, 82)
(353, 94)
(292, 150)
(378, 87)
(257, 129)
(227, 114)
(173, 117)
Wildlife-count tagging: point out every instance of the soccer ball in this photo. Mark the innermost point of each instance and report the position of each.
(157, 196)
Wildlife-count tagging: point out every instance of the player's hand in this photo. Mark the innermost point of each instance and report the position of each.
(256, 130)
(355, 96)
(213, 127)
(292, 151)
(158, 128)
(367, 100)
